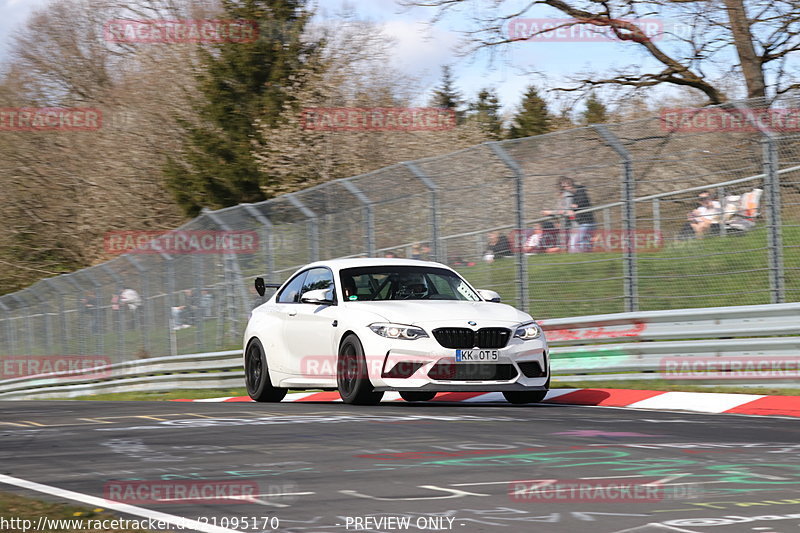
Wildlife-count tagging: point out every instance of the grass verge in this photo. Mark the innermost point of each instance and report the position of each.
(17, 509)
(189, 394)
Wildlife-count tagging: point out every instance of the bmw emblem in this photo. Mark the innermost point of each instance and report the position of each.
(472, 323)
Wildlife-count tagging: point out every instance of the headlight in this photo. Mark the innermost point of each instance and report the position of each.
(398, 331)
(528, 331)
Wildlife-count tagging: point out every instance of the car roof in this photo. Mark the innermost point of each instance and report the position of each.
(340, 264)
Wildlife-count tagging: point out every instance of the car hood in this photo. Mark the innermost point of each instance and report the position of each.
(420, 313)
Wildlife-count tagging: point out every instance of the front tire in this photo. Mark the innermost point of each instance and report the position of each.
(352, 377)
(256, 375)
(524, 396)
(417, 396)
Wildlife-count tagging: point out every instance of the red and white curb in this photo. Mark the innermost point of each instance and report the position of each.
(699, 402)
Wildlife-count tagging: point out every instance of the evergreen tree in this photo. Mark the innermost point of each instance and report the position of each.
(239, 83)
(595, 112)
(486, 112)
(447, 96)
(533, 118)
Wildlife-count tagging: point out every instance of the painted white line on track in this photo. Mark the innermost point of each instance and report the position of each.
(116, 506)
(216, 399)
(655, 528)
(688, 401)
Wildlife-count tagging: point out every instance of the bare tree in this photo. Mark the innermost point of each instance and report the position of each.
(762, 35)
(63, 190)
(354, 72)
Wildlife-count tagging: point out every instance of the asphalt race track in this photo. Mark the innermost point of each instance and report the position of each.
(329, 467)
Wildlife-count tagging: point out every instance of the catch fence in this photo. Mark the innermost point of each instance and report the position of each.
(479, 210)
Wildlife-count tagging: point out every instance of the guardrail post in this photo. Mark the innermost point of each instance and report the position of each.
(119, 316)
(370, 221)
(140, 317)
(48, 345)
(234, 273)
(656, 215)
(172, 298)
(29, 340)
(62, 319)
(519, 197)
(268, 244)
(314, 224)
(434, 206)
(772, 203)
(100, 341)
(9, 330)
(630, 272)
(84, 330)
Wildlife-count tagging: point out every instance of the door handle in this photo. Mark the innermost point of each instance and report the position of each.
(293, 312)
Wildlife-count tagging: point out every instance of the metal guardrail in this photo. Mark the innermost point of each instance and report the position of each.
(622, 346)
(633, 346)
(213, 370)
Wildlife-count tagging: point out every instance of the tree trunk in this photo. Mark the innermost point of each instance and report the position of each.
(750, 62)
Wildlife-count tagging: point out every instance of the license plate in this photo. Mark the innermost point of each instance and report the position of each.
(477, 356)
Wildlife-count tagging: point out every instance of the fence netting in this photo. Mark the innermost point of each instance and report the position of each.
(599, 219)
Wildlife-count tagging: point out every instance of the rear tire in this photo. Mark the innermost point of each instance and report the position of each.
(417, 396)
(352, 377)
(256, 375)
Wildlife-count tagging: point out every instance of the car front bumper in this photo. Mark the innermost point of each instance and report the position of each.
(435, 367)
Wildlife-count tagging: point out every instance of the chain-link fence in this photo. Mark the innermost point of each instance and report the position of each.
(660, 214)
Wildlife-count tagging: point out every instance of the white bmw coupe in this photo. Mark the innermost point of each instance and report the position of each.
(365, 326)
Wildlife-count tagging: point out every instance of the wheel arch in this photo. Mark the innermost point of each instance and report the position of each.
(249, 342)
(344, 336)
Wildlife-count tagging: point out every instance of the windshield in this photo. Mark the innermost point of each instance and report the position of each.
(404, 283)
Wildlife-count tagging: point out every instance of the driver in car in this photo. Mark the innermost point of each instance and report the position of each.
(412, 287)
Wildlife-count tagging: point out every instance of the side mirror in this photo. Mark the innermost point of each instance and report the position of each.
(489, 296)
(261, 287)
(318, 296)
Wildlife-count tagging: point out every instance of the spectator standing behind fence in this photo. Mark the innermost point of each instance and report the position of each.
(130, 301)
(564, 212)
(580, 241)
(180, 312)
(89, 302)
(497, 246)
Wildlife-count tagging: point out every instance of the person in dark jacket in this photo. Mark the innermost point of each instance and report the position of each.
(581, 238)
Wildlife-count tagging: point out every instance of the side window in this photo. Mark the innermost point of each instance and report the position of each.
(291, 293)
(317, 278)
